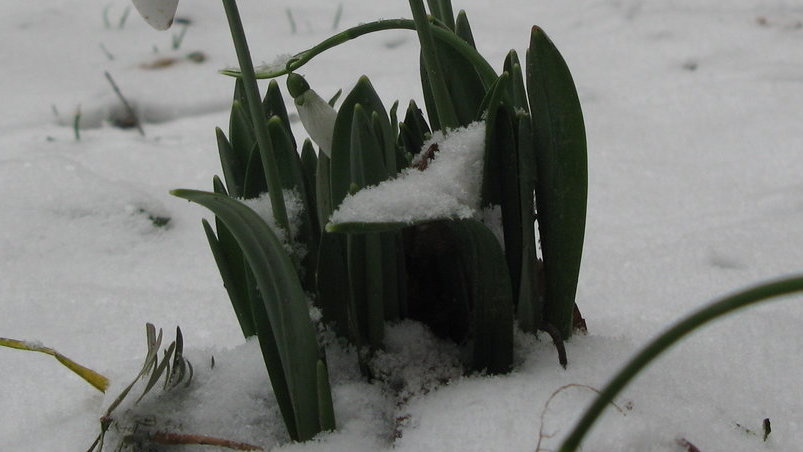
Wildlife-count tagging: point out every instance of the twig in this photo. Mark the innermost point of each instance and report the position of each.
(541, 434)
(167, 438)
(683, 442)
(127, 106)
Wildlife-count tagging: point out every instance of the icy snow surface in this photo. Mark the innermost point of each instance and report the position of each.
(693, 111)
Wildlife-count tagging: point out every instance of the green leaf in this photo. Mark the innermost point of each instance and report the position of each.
(323, 189)
(463, 29)
(332, 290)
(293, 178)
(233, 277)
(529, 307)
(414, 130)
(340, 169)
(562, 180)
(687, 325)
(241, 134)
(233, 166)
(309, 162)
(460, 287)
(517, 94)
(365, 257)
(273, 103)
(433, 66)
(486, 274)
(254, 183)
(501, 184)
(325, 404)
(283, 300)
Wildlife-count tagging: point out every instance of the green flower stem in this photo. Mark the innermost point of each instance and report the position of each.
(484, 69)
(257, 114)
(440, 92)
(663, 342)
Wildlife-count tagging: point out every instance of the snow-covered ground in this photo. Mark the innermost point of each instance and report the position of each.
(693, 110)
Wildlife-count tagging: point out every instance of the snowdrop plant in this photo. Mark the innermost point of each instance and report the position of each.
(469, 264)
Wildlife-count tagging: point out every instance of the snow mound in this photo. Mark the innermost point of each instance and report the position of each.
(449, 187)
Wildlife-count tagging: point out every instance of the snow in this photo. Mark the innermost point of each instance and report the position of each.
(693, 115)
(295, 210)
(448, 188)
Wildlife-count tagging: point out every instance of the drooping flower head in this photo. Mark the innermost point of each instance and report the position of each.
(158, 14)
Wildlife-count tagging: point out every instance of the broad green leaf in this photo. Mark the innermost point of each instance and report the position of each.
(241, 134)
(333, 293)
(501, 183)
(463, 29)
(293, 178)
(340, 169)
(488, 282)
(325, 404)
(460, 287)
(365, 256)
(562, 179)
(530, 304)
(283, 300)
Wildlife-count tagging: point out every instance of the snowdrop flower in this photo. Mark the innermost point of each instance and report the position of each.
(317, 116)
(157, 13)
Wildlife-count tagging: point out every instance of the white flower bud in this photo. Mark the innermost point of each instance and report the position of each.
(317, 116)
(157, 13)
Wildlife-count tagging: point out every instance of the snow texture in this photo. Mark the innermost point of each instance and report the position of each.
(294, 206)
(448, 188)
(692, 111)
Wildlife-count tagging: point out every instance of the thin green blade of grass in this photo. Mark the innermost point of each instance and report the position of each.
(758, 294)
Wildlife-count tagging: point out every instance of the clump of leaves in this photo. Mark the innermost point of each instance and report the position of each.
(175, 369)
(452, 271)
